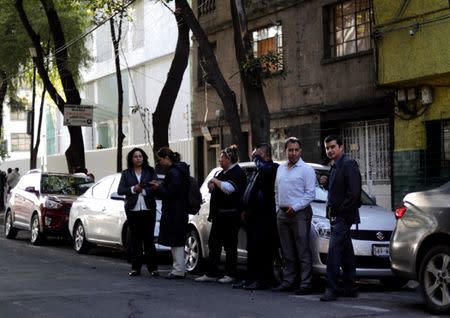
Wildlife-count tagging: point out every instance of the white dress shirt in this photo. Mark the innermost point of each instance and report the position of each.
(295, 186)
(140, 204)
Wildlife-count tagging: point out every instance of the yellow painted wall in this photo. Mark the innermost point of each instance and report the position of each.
(403, 57)
(410, 134)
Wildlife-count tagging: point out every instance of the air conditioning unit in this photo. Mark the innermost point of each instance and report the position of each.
(426, 95)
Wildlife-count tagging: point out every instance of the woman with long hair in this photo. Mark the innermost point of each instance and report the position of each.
(140, 208)
(174, 219)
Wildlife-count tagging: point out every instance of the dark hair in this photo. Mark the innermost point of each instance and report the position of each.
(292, 140)
(167, 152)
(336, 138)
(130, 164)
(9, 170)
(17, 169)
(231, 153)
(266, 148)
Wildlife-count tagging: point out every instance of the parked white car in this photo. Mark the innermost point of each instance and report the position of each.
(98, 217)
(370, 238)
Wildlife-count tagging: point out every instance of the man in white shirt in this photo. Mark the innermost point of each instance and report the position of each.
(295, 186)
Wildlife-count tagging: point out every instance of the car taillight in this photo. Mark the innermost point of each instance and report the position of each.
(400, 211)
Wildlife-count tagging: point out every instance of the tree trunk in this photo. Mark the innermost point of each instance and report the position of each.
(3, 89)
(216, 79)
(120, 135)
(34, 152)
(169, 93)
(258, 112)
(75, 153)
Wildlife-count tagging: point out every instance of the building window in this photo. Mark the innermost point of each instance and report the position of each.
(206, 7)
(18, 115)
(20, 142)
(349, 28)
(103, 43)
(269, 40)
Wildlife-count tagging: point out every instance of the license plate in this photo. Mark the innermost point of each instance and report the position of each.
(380, 250)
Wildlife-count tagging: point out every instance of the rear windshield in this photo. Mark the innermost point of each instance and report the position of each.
(64, 184)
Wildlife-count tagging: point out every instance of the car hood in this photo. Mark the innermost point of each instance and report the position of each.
(373, 217)
(61, 198)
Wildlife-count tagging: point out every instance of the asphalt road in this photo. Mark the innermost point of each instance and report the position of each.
(54, 281)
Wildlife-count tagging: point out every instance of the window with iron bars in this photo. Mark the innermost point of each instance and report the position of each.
(20, 142)
(269, 39)
(349, 28)
(206, 7)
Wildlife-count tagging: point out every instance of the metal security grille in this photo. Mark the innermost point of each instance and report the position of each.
(206, 6)
(368, 143)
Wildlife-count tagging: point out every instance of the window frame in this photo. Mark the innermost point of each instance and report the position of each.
(330, 32)
(278, 42)
(17, 147)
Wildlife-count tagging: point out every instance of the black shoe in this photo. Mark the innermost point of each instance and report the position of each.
(154, 273)
(173, 276)
(282, 288)
(328, 296)
(303, 291)
(134, 272)
(255, 286)
(241, 284)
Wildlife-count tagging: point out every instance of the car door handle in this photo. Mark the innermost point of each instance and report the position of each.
(83, 207)
(104, 209)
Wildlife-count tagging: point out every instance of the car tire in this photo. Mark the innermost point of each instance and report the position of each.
(36, 237)
(278, 265)
(193, 253)
(10, 231)
(393, 282)
(80, 244)
(434, 279)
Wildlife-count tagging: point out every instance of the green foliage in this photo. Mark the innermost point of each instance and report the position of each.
(15, 58)
(263, 67)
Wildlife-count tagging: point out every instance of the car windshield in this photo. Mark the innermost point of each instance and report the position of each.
(322, 194)
(64, 184)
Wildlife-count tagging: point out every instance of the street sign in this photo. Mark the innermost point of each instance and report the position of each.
(78, 115)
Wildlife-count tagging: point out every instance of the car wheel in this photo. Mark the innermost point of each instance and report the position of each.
(278, 265)
(393, 282)
(193, 252)
(435, 279)
(80, 244)
(10, 231)
(37, 237)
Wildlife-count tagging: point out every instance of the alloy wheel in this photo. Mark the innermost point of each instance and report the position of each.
(436, 279)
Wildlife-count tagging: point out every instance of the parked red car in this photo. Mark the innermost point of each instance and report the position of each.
(41, 202)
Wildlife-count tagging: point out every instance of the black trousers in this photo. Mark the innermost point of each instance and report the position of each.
(340, 254)
(262, 241)
(224, 233)
(142, 226)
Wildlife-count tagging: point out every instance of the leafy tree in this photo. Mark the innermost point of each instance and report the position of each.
(116, 11)
(66, 19)
(250, 71)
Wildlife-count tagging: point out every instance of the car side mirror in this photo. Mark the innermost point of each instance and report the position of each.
(374, 199)
(116, 196)
(32, 190)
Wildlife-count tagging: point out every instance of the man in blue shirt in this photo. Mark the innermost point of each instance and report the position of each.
(295, 187)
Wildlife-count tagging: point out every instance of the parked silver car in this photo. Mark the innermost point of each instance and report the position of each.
(98, 217)
(370, 238)
(420, 246)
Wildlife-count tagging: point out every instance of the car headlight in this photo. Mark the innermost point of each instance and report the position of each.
(50, 204)
(322, 226)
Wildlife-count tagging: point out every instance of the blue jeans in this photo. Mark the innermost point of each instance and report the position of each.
(340, 254)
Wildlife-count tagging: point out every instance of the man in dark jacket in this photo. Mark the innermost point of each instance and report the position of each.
(344, 199)
(225, 211)
(260, 220)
